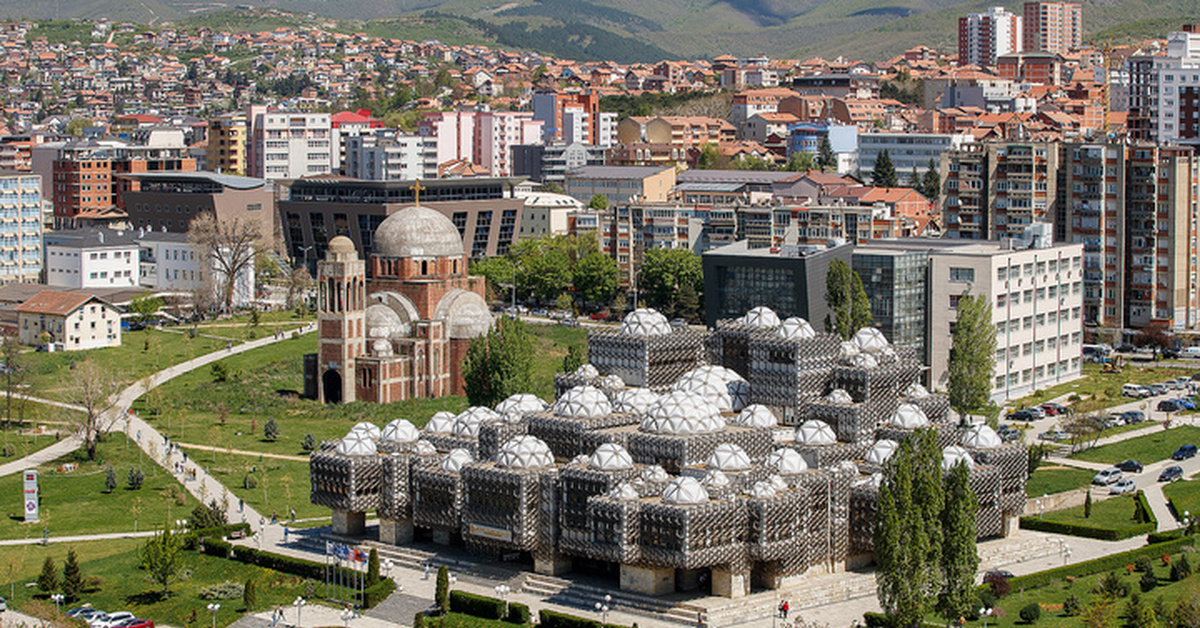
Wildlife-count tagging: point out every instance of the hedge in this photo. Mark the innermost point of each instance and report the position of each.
(1163, 537)
(551, 619)
(192, 538)
(517, 613)
(1097, 565)
(1095, 532)
(476, 605)
(879, 620)
(379, 592)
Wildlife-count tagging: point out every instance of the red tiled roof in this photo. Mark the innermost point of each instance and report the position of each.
(55, 303)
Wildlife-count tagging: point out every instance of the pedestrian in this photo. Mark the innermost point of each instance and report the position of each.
(229, 346)
(293, 514)
(785, 609)
(241, 505)
(274, 519)
(285, 534)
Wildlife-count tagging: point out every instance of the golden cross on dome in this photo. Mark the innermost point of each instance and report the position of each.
(416, 188)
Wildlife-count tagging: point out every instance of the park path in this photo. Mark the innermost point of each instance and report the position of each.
(242, 452)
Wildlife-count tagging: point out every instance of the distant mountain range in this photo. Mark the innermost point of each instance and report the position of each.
(641, 30)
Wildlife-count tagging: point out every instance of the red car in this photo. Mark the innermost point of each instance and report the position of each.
(136, 623)
(1053, 409)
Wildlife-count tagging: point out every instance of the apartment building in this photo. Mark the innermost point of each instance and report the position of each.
(227, 136)
(388, 155)
(496, 132)
(345, 125)
(909, 152)
(68, 320)
(994, 190)
(20, 227)
(573, 115)
(676, 131)
(550, 163)
(288, 144)
(92, 258)
(1164, 92)
(984, 36)
(1052, 27)
(747, 104)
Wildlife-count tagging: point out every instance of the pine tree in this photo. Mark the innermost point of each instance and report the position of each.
(249, 595)
(931, 183)
(960, 560)
(72, 579)
(972, 355)
(826, 160)
(110, 479)
(847, 299)
(309, 443)
(884, 174)
(271, 429)
(373, 568)
(48, 580)
(1087, 506)
(135, 478)
(441, 594)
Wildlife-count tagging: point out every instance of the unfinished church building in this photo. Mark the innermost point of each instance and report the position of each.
(744, 456)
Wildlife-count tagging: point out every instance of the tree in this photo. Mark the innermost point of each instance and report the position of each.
(499, 364)
(14, 375)
(309, 443)
(110, 479)
(210, 516)
(1030, 613)
(372, 567)
(229, 247)
(250, 594)
(849, 308)
(826, 159)
(162, 557)
(960, 559)
(884, 174)
(298, 282)
(575, 358)
(709, 157)
(271, 430)
(135, 479)
(596, 278)
(800, 161)
(664, 274)
(972, 355)
(48, 580)
(92, 387)
(598, 201)
(144, 306)
(931, 183)
(441, 594)
(72, 578)
(546, 275)
(1087, 506)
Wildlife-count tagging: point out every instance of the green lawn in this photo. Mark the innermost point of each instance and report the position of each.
(552, 342)
(75, 502)
(124, 586)
(1114, 512)
(1051, 480)
(1103, 390)
(1185, 495)
(1158, 445)
(286, 482)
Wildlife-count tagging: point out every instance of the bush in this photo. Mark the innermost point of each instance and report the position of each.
(476, 605)
(1088, 531)
(517, 614)
(1030, 613)
(1072, 606)
(225, 591)
(191, 539)
(1181, 569)
(92, 584)
(1148, 581)
(271, 429)
(1143, 564)
(249, 481)
(1097, 565)
(419, 620)
(377, 593)
(249, 595)
(220, 373)
(987, 598)
(309, 443)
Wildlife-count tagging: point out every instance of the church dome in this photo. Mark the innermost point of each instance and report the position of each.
(383, 322)
(418, 232)
(341, 245)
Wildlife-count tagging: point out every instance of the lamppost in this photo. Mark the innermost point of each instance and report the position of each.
(58, 598)
(502, 590)
(299, 604)
(984, 612)
(213, 608)
(1066, 553)
(347, 615)
(603, 610)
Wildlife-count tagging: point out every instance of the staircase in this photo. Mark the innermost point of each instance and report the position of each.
(584, 596)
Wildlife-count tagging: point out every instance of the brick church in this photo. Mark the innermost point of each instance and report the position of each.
(397, 325)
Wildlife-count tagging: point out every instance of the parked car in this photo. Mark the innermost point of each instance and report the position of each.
(1022, 415)
(1134, 416)
(1037, 411)
(995, 574)
(1187, 403)
(1169, 405)
(136, 622)
(569, 322)
(95, 620)
(1107, 476)
(1008, 433)
(1170, 474)
(1171, 354)
(115, 618)
(1184, 452)
(1053, 409)
(1122, 486)
(1125, 348)
(1054, 435)
(1159, 389)
(1130, 466)
(1111, 421)
(1136, 391)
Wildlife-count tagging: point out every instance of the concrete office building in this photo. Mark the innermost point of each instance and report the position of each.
(790, 280)
(170, 201)
(550, 163)
(621, 184)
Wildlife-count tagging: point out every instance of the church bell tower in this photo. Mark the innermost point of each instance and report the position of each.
(341, 314)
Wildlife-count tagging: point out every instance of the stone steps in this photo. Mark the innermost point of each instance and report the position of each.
(585, 597)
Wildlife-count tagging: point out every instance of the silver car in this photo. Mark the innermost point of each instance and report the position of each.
(1107, 476)
(1123, 486)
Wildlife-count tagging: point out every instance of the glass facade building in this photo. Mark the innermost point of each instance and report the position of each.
(895, 285)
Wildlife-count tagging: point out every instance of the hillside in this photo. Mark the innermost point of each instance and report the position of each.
(640, 30)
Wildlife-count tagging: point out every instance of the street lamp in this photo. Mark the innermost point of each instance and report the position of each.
(299, 604)
(213, 608)
(603, 610)
(58, 598)
(984, 612)
(502, 590)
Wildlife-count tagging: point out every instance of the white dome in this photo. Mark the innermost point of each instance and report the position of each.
(383, 322)
(424, 448)
(418, 231)
(916, 391)
(356, 444)
(455, 460)
(400, 431)
(381, 348)
(525, 452)
(756, 415)
(634, 400)
(864, 361)
(848, 466)
(848, 350)
(580, 459)
(778, 482)
(583, 402)
(870, 340)
(837, 395)
(814, 432)
(370, 429)
(471, 419)
(796, 328)
(881, 451)
(610, 457)
(441, 423)
(682, 413)
(762, 490)
(909, 417)
(980, 436)
(787, 461)
(715, 478)
(761, 317)
(684, 491)
(521, 404)
(624, 492)
(722, 386)
(587, 371)
(645, 322)
(654, 473)
(951, 456)
(729, 457)
(611, 382)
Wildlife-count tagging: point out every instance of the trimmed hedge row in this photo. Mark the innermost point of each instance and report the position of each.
(476, 605)
(378, 592)
(517, 613)
(1097, 565)
(1096, 532)
(551, 619)
(192, 539)
(1163, 537)
(879, 620)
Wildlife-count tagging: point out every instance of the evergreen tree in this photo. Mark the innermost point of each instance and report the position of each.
(960, 560)
(884, 174)
(309, 443)
(931, 183)
(826, 159)
(135, 478)
(972, 355)
(849, 308)
(373, 568)
(250, 594)
(72, 579)
(499, 364)
(271, 430)
(914, 179)
(48, 580)
(575, 358)
(110, 479)
(1087, 506)
(441, 594)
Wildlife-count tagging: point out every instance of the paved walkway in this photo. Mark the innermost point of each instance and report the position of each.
(80, 538)
(242, 452)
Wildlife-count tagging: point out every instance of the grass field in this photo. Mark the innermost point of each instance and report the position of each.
(1185, 496)
(1103, 390)
(1158, 445)
(278, 484)
(1115, 512)
(1051, 480)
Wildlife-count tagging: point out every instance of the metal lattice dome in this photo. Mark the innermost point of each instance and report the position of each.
(610, 457)
(762, 490)
(761, 317)
(881, 451)
(723, 387)
(587, 371)
(634, 400)
(848, 350)
(756, 415)
(787, 461)
(814, 432)
(525, 452)
(952, 456)
(795, 328)
(683, 413)
(583, 402)
(715, 478)
(611, 382)
(864, 361)
(471, 419)
(909, 417)
(645, 322)
(370, 429)
(916, 391)
(455, 460)
(624, 492)
(729, 457)
(654, 473)
(778, 482)
(981, 436)
(580, 460)
(418, 231)
(848, 466)
(383, 322)
(400, 431)
(521, 404)
(424, 448)
(870, 340)
(440, 423)
(356, 443)
(837, 395)
(874, 480)
(684, 491)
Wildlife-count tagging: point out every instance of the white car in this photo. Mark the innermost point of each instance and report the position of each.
(114, 619)
(1108, 476)
(1123, 486)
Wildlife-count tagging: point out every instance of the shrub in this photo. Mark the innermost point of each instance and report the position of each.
(379, 592)
(419, 620)
(92, 584)
(1000, 587)
(249, 594)
(271, 429)
(372, 568)
(517, 614)
(1072, 606)
(1030, 613)
(309, 443)
(1087, 531)
(1181, 568)
(551, 619)
(110, 479)
(220, 373)
(476, 605)
(227, 590)
(1148, 581)
(987, 598)
(1143, 564)
(441, 593)
(1097, 565)
(249, 481)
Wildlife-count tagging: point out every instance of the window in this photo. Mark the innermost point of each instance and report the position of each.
(962, 274)
(954, 301)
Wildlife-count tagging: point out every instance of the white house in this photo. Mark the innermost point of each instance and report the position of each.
(91, 258)
(74, 321)
(168, 262)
